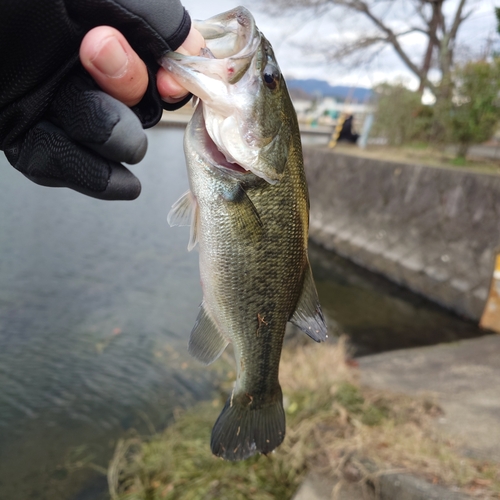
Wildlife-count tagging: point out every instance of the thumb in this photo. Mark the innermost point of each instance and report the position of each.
(113, 64)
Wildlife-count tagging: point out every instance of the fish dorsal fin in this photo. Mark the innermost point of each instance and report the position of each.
(247, 220)
(184, 212)
(308, 315)
(206, 343)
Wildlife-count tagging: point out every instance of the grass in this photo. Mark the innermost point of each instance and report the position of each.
(334, 427)
(425, 154)
(180, 465)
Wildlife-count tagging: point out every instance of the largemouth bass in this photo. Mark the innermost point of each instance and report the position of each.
(248, 209)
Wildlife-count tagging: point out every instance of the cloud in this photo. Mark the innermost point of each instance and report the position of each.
(291, 32)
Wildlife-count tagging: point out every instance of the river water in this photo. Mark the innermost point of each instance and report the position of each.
(97, 300)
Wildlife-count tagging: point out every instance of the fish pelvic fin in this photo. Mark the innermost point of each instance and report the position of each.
(245, 427)
(184, 212)
(206, 343)
(308, 315)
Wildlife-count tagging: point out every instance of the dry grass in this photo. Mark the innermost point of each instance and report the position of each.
(425, 154)
(334, 428)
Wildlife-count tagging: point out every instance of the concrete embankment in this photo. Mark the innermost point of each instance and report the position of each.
(433, 230)
(464, 378)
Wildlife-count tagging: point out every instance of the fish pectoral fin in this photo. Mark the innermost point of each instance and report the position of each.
(246, 218)
(308, 315)
(181, 212)
(184, 212)
(206, 343)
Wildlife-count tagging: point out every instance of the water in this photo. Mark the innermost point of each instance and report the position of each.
(376, 314)
(97, 300)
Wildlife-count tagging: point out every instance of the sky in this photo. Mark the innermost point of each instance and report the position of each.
(288, 34)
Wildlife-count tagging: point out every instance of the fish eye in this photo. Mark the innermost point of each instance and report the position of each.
(271, 76)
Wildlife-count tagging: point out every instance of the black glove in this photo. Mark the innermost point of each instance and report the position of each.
(56, 126)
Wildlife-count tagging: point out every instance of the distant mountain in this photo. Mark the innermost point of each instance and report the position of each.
(314, 87)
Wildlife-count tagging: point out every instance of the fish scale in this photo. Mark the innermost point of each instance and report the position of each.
(248, 208)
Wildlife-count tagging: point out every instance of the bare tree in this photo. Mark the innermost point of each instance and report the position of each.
(389, 22)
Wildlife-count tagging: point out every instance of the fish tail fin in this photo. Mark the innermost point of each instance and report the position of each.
(245, 427)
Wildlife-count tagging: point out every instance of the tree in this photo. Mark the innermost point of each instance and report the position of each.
(401, 117)
(474, 109)
(389, 21)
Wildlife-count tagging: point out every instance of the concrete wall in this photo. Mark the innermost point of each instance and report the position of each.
(433, 230)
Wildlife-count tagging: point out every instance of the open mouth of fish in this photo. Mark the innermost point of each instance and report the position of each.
(207, 148)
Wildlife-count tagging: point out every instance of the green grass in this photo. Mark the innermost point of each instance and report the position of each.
(459, 161)
(179, 465)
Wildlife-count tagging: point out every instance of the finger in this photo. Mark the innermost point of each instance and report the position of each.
(48, 157)
(114, 65)
(98, 121)
(192, 44)
(170, 90)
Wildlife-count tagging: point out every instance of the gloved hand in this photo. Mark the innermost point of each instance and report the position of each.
(56, 126)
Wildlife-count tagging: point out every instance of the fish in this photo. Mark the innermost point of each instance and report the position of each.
(248, 212)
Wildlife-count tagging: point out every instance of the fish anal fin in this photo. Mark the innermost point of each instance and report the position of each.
(184, 212)
(244, 428)
(206, 343)
(308, 315)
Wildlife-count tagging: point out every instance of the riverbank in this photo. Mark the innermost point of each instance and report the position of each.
(462, 379)
(343, 426)
(433, 230)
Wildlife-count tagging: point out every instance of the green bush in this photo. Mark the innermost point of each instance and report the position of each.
(401, 117)
(474, 110)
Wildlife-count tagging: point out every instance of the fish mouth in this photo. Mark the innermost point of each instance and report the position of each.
(205, 146)
(227, 78)
(232, 39)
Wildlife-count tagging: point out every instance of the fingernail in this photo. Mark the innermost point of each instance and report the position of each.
(110, 58)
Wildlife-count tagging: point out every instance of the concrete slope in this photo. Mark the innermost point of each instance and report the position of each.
(433, 230)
